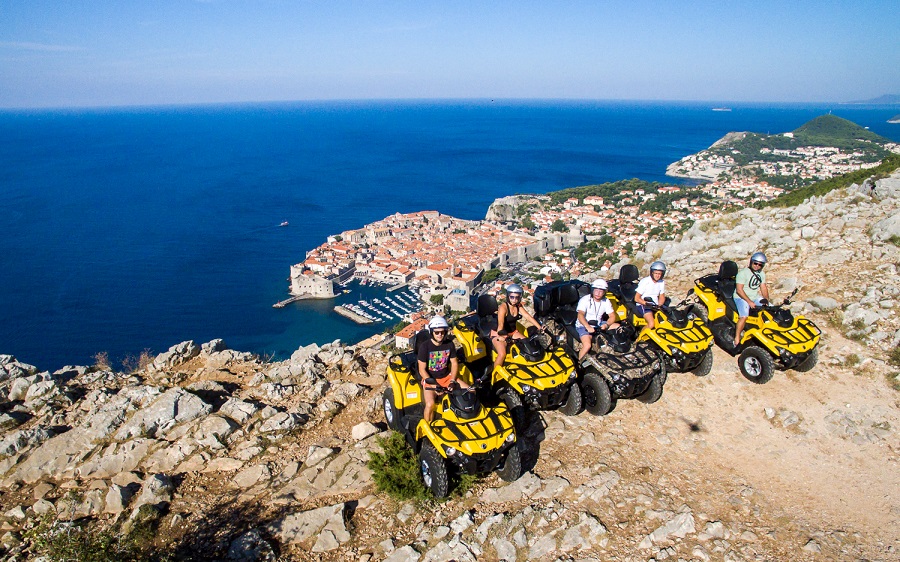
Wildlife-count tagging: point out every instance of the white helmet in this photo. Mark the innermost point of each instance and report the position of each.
(437, 323)
(600, 284)
(514, 288)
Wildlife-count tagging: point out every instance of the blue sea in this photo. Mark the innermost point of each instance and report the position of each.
(127, 229)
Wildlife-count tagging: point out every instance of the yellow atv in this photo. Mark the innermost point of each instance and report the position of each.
(616, 367)
(463, 435)
(540, 376)
(680, 334)
(773, 338)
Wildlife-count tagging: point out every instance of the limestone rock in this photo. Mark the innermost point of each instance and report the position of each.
(325, 522)
(363, 430)
(176, 355)
(156, 490)
(251, 547)
(238, 410)
(173, 407)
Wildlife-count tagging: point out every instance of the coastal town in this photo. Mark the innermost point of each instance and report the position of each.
(446, 262)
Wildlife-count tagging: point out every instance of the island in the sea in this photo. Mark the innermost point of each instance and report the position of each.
(894, 119)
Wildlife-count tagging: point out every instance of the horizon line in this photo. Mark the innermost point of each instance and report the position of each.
(313, 101)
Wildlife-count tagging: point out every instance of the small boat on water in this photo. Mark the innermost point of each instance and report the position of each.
(721, 109)
(284, 223)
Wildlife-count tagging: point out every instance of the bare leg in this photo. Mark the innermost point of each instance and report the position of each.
(500, 346)
(585, 346)
(738, 329)
(648, 317)
(429, 404)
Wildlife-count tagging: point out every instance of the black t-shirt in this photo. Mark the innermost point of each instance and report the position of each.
(437, 358)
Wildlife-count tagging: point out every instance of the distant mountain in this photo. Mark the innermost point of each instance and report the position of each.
(887, 99)
(831, 130)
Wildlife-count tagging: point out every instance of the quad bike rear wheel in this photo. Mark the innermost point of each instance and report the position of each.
(595, 394)
(705, 365)
(434, 470)
(391, 415)
(512, 466)
(573, 402)
(514, 404)
(810, 361)
(702, 312)
(756, 364)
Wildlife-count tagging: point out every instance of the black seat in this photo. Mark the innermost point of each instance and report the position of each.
(412, 359)
(725, 284)
(486, 309)
(568, 303)
(627, 286)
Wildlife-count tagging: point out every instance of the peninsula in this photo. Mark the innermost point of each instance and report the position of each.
(752, 166)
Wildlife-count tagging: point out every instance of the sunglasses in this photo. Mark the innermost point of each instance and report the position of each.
(439, 332)
(757, 263)
(514, 296)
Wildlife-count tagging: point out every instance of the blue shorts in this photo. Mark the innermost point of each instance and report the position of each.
(742, 307)
(639, 308)
(582, 331)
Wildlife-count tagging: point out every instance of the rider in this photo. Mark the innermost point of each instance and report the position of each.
(750, 283)
(591, 310)
(437, 359)
(651, 287)
(508, 314)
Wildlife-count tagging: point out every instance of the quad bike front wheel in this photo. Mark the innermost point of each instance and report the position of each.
(595, 395)
(809, 362)
(705, 365)
(434, 470)
(391, 414)
(512, 466)
(573, 403)
(756, 364)
(655, 390)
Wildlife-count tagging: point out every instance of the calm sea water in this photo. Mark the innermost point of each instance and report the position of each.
(132, 229)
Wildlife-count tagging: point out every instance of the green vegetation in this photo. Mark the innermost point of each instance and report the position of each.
(798, 196)
(59, 541)
(437, 299)
(825, 130)
(491, 275)
(527, 223)
(398, 326)
(396, 469)
(612, 191)
(558, 226)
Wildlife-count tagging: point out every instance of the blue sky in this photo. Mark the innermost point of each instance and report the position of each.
(102, 53)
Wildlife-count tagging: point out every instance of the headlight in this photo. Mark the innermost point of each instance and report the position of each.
(573, 374)
(528, 389)
(511, 437)
(450, 451)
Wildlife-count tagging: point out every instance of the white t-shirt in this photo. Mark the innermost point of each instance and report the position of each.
(593, 309)
(650, 288)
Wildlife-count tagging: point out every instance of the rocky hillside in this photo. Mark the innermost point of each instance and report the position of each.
(216, 454)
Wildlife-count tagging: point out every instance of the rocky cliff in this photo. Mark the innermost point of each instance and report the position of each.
(226, 456)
